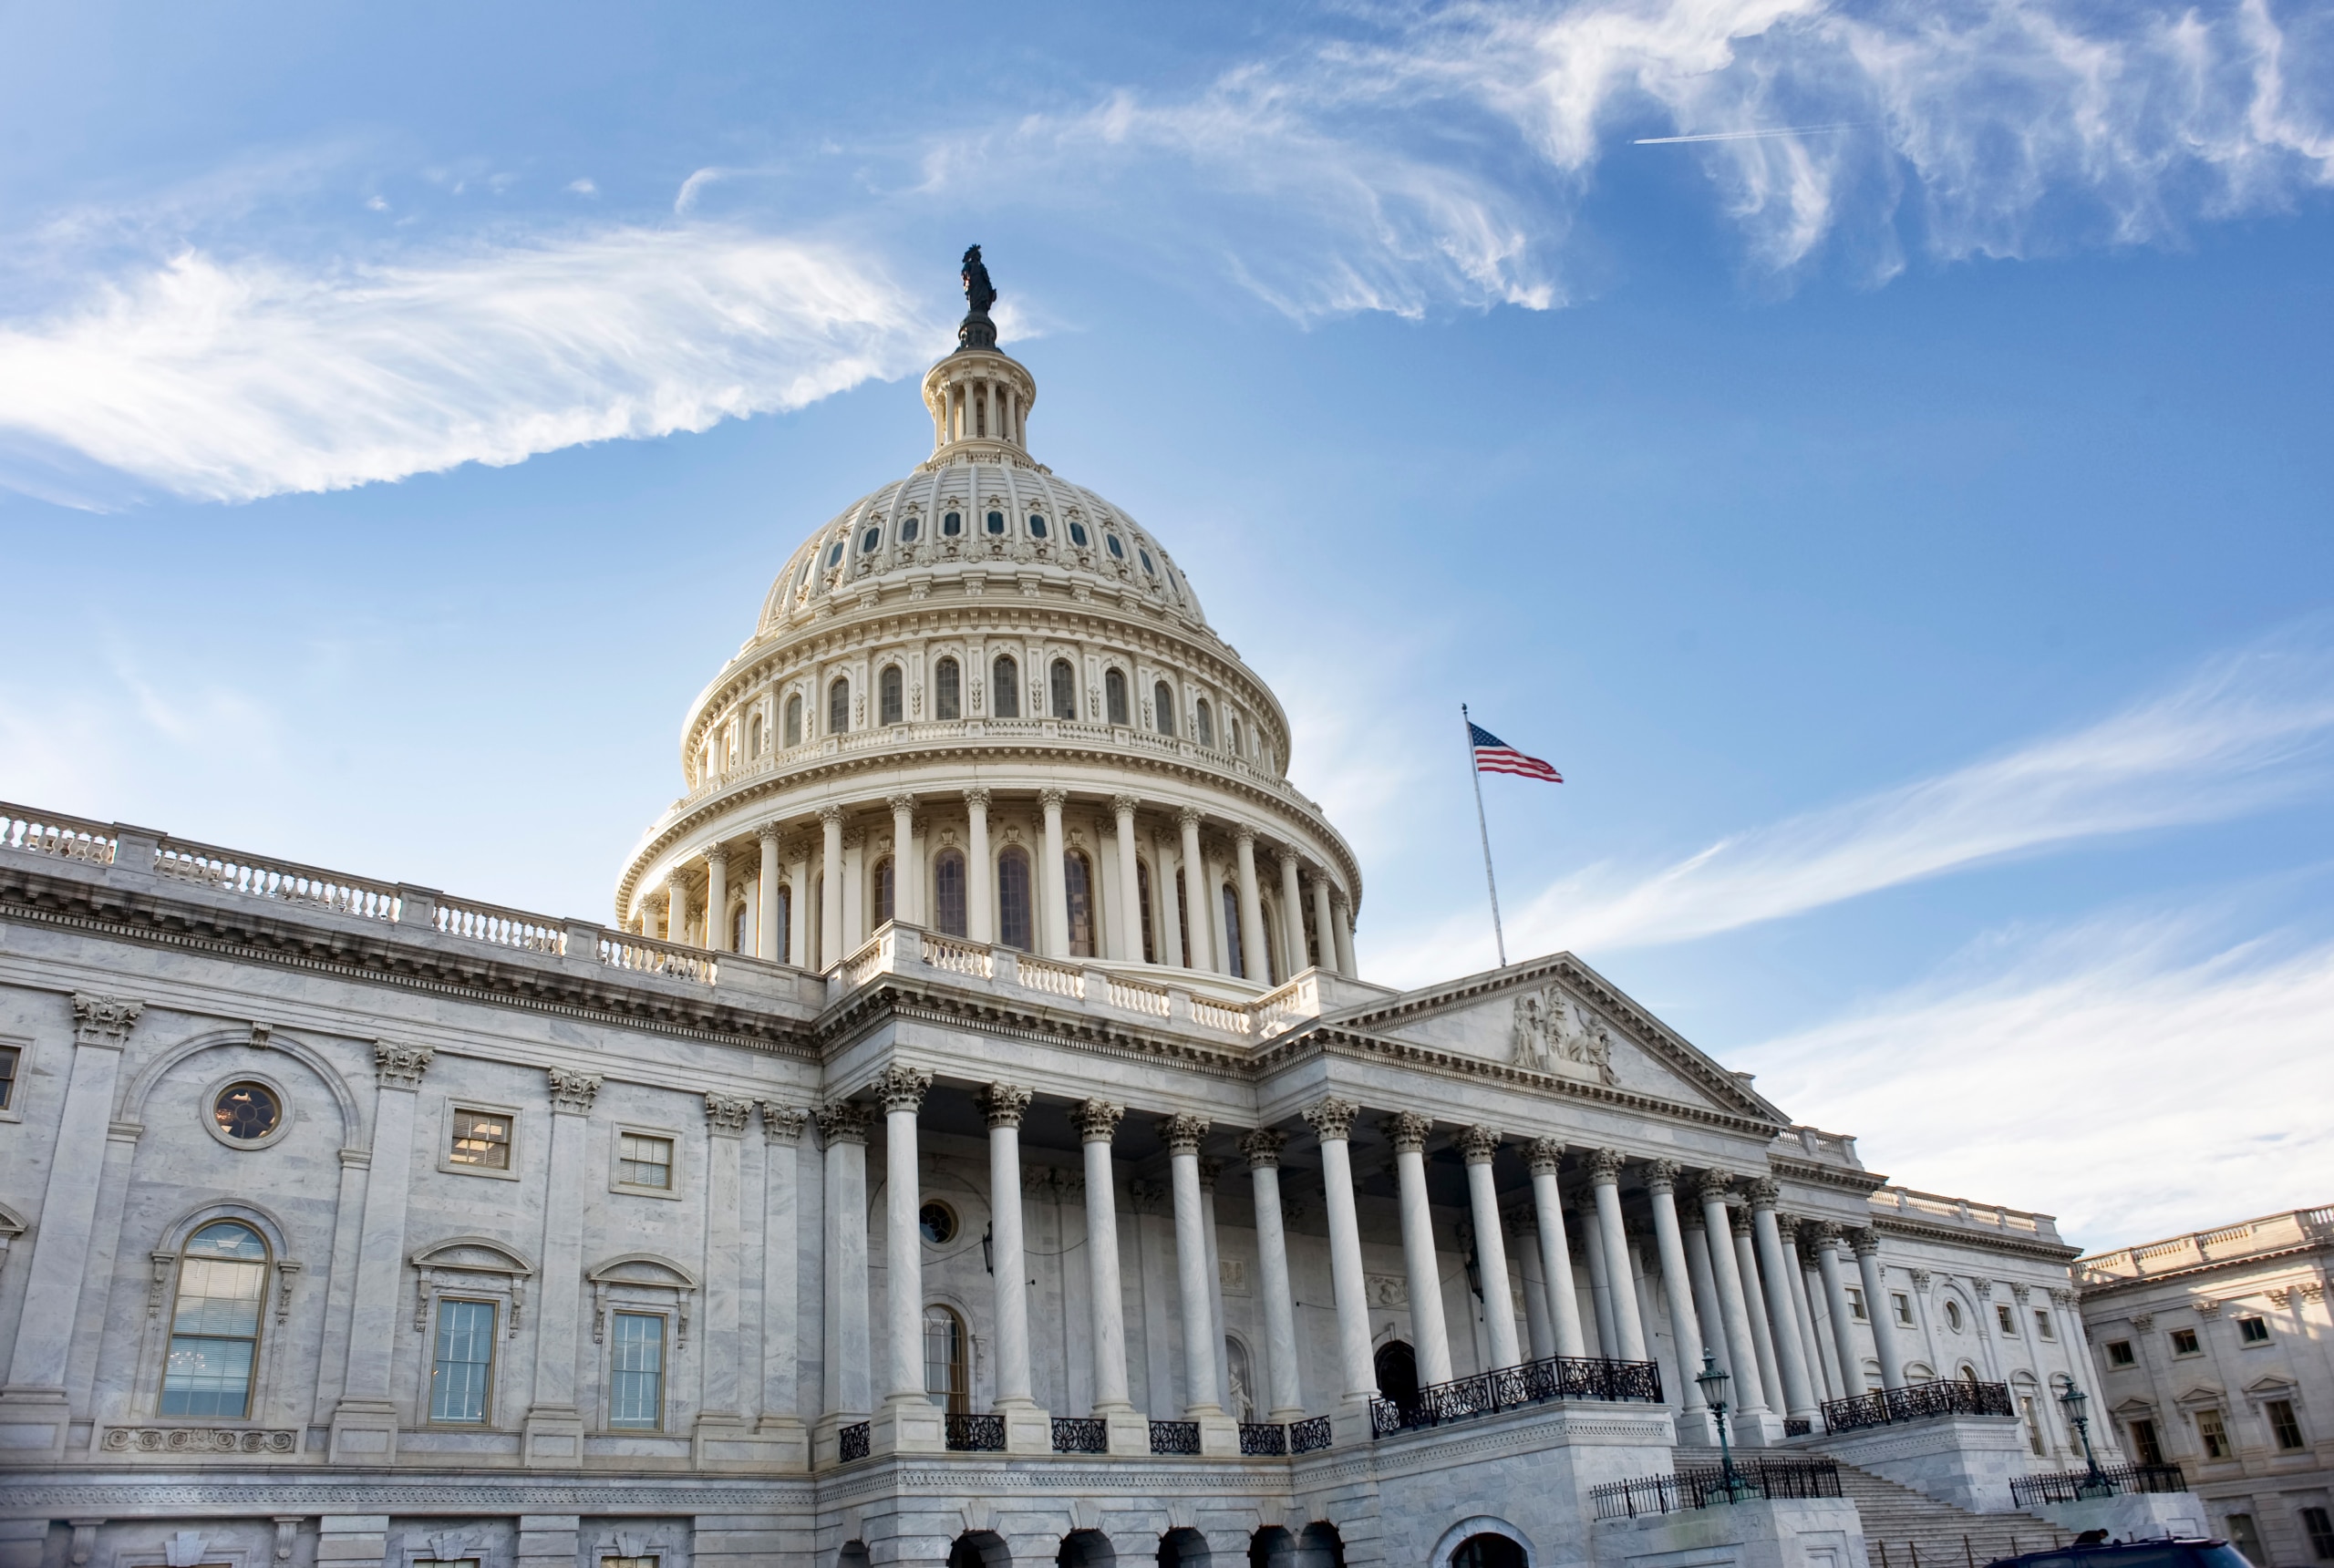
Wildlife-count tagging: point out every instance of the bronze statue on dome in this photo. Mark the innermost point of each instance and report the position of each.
(979, 293)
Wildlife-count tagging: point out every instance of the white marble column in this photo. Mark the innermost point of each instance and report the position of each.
(1291, 913)
(35, 1397)
(1194, 1292)
(1027, 1426)
(1210, 1170)
(1605, 1177)
(980, 871)
(716, 899)
(1344, 932)
(1539, 1329)
(1820, 1374)
(1544, 1157)
(1262, 1148)
(1835, 1298)
(1430, 1338)
(1676, 1280)
(1480, 1145)
(1052, 890)
(1754, 1305)
(1791, 1351)
(676, 907)
(365, 1422)
(1332, 1120)
(770, 942)
(720, 1400)
(1734, 1313)
(1097, 1121)
(1169, 879)
(849, 1393)
(781, 1412)
(554, 1435)
(1599, 1258)
(831, 945)
(907, 874)
(800, 911)
(1129, 911)
(1256, 956)
(1706, 1307)
(1866, 1243)
(1324, 930)
(1193, 893)
(900, 1089)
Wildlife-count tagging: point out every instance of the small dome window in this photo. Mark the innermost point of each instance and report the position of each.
(952, 525)
(870, 539)
(1147, 566)
(910, 526)
(834, 556)
(1078, 534)
(1036, 526)
(1117, 549)
(997, 523)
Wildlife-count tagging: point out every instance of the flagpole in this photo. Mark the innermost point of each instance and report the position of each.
(1490, 881)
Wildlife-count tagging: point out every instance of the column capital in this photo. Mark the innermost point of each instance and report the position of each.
(1182, 1132)
(1004, 1104)
(1261, 1147)
(1605, 1167)
(1125, 805)
(1740, 1220)
(782, 1123)
(1190, 817)
(1827, 1233)
(1920, 1278)
(1406, 1131)
(1714, 1186)
(1662, 1175)
(901, 1087)
(1097, 1119)
(832, 814)
(1243, 834)
(1331, 1118)
(727, 1114)
(1545, 1156)
(769, 833)
(2018, 1293)
(571, 1093)
(1764, 1191)
(854, 838)
(104, 1021)
(977, 798)
(1211, 1171)
(901, 802)
(401, 1067)
(1052, 797)
(1865, 1241)
(842, 1121)
(1480, 1143)
(2065, 1298)
(1982, 1287)
(678, 879)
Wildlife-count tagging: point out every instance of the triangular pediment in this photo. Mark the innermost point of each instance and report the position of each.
(1558, 1016)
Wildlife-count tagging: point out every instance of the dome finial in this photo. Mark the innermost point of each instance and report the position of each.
(977, 330)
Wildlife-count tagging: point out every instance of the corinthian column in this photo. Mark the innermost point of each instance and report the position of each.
(1677, 1280)
(1791, 1353)
(1325, 938)
(1262, 1148)
(769, 941)
(1479, 1144)
(842, 1127)
(1291, 912)
(980, 872)
(831, 936)
(1195, 1291)
(907, 876)
(721, 1414)
(1407, 1132)
(1129, 909)
(676, 907)
(1256, 956)
(1195, 897)
(1605, 1177)
(1742, 1350)
(1544, 1157)
(909, 1417)
(1097, 1121)
(716, 899)
(1836, 1300)
(1053, 888)
(1332, 1121)
(554, 1436)
(1027, 1428)
(1867, 1243)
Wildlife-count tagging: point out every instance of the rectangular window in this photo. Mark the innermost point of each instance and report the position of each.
(1903, 1304)
(2145, 1443)
(2002, 1315)
(2184, 1342)
(482, 1139)
(637, 1372)
(2034, 1425)
(214, 1339)
(1855, 1304)
(9, 1056)
(2119, 1353)
(2245, 1536)
(2252, 1331)
(2284, 1425)
(2042, 1323)
(627, 1562)
(2213, 1433)
(2317, 1527)
(462, 1370)
(645, 1162)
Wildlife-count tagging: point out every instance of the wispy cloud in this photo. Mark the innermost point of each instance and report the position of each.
(228, 379)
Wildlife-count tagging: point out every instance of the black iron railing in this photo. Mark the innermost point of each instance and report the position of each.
(976, 1434)
(1174, 1437)
(1081, 1435)
(1701, 1486)
(2073, 1486)
(1917, 1401)
(1263, 1438)
(1307, 1436)
(853, 1441)
(1798, 1427)
(1535, 1382)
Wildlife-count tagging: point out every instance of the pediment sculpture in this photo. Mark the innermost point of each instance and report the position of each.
(1551, 1028)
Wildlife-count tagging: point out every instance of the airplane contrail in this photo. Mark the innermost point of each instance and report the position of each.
(1745, 135)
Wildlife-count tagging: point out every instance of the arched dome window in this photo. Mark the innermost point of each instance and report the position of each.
(785, 924)
(1147, 566)
(948, 690)
(1204, 724)
(838, 706)
(886, 893)
(1118, 550)
(740, 931)
(910, 526)
(948, 891)
(1142, 896)
(754, 736)
(834, 556)
(1036, 526)
(1078, 893)
(1114, 696)
(871, 539)
(890, 696)
(952, 525)
(997, 523)
(948, 1363)
(214, 1323)
(1005, 689)
(793, 731)
(1078, 534)
(1232, 725)
(1063, 682)
(1162, 706)
(1235, 961)
(1013, 900)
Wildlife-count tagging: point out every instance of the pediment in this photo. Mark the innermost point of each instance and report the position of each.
(643, 1268)
(2274, 1386)
(2202, 1396)
(476, 1255)
(1555, 1016)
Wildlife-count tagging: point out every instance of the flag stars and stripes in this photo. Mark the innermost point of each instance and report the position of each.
(1493, 754)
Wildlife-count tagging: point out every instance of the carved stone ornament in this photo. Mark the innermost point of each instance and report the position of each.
(1051, 798)
(1480, 1143)
(726, 1114)
(1764, 1191)
(901, 1087)
(1662, 1175)
(1981, 1287)
(571, 1093)
(976, 798)
(1713, 1186)
(1147, 1197)
(1004, 1104)
(1545, 1156)
(1331, 1120)
(844, 1122)
(1097, 1119)
(1920, 1278)
(1182, 1132)
(2207, 1307)
(2143, 1321)
(901, 803)
(2065, 1298)
(400, 1066)
(1190, 817)
(198, 1441)
(2020, 1293)
(1125, 805)
(1827, 1234)
(1261, 1147)
(1742, 1221)
(782, 1123)
(1605, 1165)
(103, 1021)
(1406, 1131)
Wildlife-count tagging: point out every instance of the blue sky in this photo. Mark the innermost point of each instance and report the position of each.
(1901, 508)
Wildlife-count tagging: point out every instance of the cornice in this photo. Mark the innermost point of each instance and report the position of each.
(1810, 1173)
(862, 1012)
(2010, 1246)
(2209, 1266)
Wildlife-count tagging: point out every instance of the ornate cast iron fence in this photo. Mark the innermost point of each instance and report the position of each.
(1917, 1401)
(1263, 1438)
(1174, 1437)
(1081, 1435)
(2070, 1486)
(1308, 1435)
(1702, 1485)
(976, 1434)
(853, 1440)
(1534, 1383)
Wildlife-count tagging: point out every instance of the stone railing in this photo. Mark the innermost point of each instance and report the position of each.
(253, 876)
(2295, 1228)
(503, 927)
(648, 955)
(1939, 1209)
(1135, 997)
(66, 838)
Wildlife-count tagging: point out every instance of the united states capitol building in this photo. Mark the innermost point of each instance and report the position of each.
(967, 1140)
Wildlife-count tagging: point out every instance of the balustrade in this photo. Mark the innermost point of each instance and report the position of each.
(1136, 997)
(67, 838)
(2077, 1486)
(1055, 979)
(226, 870)
(501, 927)
(1174, 1437)
(1700, 1486)
(1509, 1387)
(1081, 1435)
(1917, 1401)
(853, 1442)
(975, 1434)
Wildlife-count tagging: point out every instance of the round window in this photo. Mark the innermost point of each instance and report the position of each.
(870, 539)
(952, 525)
(247, 1112)
(1078, 534)
(909, 527)
(1953, 1315)
(1116, 548)
(1036, 526)
(938, 1223)
(997, 523)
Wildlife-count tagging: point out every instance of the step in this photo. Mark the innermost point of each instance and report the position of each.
(1904, 1528)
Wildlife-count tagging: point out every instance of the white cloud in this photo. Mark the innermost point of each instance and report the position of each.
(229, 379)
(585, 186)
(2132, 1075)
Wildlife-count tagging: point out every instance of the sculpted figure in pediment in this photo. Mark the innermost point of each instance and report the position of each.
(1568, 1038)
(1531, 1032)
(1598, 1053)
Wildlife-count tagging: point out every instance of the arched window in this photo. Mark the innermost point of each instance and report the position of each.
(1036, 526)
(1078, 534)
(1232, 725)
(1488, 1550)
(1005, 689)
(1078, 893)
(891, 696)
(952, 525)
(1241, 1381)
(740, 931)
(784, 924)
(948, 690)
(948, 891)
(793, 731)
(1063, 681)
(1142, 896)
(910, 526)
(1114, 697)
(1204, 724)
(869, 540)
(1397, 1366)
(754, 736)
(1235, 961)
(839, 707)
(1162, 708)
(1118, 550)
(947, 1366)
(834, 556)
(997, 523)
(1147, 566)
(1013, 900)
(884, 891)
(214, 1323)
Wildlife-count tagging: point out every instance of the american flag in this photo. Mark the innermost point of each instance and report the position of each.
(1493, 754)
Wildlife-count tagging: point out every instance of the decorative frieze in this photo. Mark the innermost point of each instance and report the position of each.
(199, 1440)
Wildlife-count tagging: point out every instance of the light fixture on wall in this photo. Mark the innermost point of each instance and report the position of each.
(989, 1246)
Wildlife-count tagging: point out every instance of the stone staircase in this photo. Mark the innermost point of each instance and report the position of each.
(1909, 1529)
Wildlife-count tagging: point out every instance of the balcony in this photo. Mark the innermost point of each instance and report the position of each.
(1919, 1401)
(1512, 1387)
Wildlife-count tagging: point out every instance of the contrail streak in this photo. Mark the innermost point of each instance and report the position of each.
(1745, 135)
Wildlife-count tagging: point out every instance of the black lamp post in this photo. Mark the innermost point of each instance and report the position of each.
(1714, 1383)
(2094, 1483)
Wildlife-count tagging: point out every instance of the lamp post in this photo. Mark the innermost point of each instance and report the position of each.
(2094, 1483)
(1713, 1382)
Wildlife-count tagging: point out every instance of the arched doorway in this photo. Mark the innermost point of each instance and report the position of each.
(1398, 1372)
(1488, 1550)
(1085, 1548)
(1272, 1547)
(1320, 1546)
(1182, 1549)
(979, 1548)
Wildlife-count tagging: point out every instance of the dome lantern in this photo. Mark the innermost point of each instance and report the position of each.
(979, 395)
